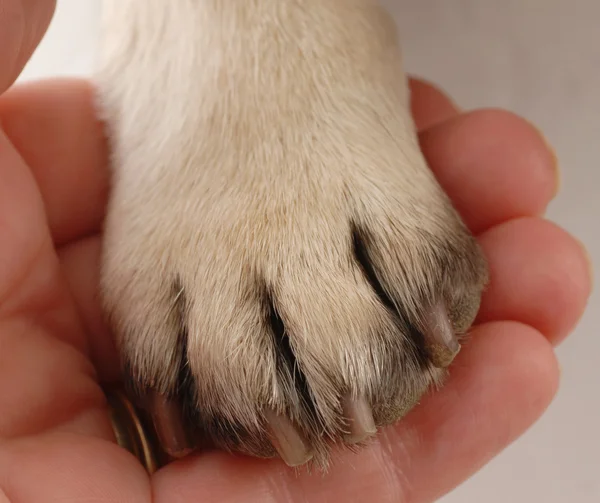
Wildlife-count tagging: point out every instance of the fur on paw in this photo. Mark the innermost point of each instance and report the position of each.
(286, 325)
(281, 270)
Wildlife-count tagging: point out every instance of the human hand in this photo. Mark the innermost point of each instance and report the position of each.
(56, 441)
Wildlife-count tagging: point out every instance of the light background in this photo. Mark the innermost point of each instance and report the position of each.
(541, 59)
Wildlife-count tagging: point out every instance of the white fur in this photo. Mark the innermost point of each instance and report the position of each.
(246, 137)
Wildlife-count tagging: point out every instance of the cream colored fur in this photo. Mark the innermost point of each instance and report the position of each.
(254, 142)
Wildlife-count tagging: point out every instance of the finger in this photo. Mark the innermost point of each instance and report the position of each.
(22, 223)
(68, 467)
(34, 301)
(540, 276)
(494, 165)
(80, 261)
(22, 26)
(430, 105)
(56, 389)
(501, 383)
(31, 282)
(53, 126)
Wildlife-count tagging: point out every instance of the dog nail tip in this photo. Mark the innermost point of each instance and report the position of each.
(290, 445)
(166, 416)
(440, 336)
(361, 424)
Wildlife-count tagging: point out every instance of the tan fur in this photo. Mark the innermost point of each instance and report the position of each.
(255, 145)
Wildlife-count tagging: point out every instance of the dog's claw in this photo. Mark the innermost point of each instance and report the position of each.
(287, 440)
(166, 416)
(361, 424)
(439, 336)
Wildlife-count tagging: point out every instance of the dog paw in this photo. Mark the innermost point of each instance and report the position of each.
(281, 270)
(292, 317)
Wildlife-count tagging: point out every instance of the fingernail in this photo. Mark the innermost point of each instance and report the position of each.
(456, 106)
(588, 260)
(560, 371)
(555, 162)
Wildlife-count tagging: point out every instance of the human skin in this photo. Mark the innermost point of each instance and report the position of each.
(56, 443)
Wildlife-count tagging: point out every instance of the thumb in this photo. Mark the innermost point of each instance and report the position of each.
(23, 23)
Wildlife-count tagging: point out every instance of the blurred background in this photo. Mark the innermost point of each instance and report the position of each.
(540, 59)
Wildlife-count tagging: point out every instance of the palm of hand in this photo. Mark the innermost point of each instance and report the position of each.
(54, 346)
